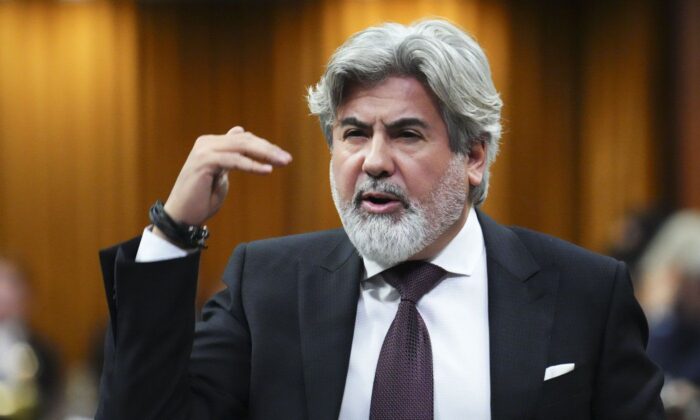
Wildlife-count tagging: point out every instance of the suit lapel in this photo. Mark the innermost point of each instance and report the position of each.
(328, 294)
(521, 308)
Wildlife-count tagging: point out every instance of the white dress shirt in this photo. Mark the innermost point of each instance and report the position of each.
(456, 315)
(154, 248)
(455, 312)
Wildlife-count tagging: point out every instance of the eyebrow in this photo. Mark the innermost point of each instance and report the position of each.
(395, 125)
(354, 122)
(406, 122)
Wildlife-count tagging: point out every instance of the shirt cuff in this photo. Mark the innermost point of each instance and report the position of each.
(154, 248)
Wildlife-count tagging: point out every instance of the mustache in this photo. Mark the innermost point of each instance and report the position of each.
(380, 186)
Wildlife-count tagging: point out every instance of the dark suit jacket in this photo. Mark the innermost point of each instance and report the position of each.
(275, 344)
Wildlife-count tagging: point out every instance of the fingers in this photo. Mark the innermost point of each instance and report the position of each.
(236, 130)
(249, 145)
(237, 161)
(255, 147)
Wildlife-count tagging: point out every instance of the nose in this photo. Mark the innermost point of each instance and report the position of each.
(379, 162)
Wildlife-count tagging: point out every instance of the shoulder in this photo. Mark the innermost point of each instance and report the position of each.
(588, 281)
(548, 251)
(529, 251)
(312, 243)
(267, 267)
(267, 254)
(582, 274)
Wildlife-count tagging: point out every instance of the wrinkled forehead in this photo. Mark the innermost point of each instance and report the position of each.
(351, 84)
(396, 87)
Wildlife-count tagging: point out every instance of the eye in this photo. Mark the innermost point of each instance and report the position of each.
(410, 135)
(354, 133)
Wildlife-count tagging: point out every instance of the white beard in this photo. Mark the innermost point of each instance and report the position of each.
(389, 239)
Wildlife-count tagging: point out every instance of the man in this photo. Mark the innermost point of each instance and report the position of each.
(421, 307)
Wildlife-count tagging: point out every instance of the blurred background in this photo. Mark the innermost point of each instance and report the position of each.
(100, 102)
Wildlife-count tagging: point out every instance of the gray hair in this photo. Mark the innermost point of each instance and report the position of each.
(443, 57)
(677, 245)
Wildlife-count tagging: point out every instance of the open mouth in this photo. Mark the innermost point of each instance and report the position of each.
(377, 199)
(379, 202)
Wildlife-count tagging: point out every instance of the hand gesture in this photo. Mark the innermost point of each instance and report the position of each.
(202, 185)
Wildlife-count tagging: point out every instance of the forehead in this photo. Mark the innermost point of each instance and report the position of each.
(392, 98)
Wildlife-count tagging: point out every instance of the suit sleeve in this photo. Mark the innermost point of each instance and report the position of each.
(158, 363)
(628, 383)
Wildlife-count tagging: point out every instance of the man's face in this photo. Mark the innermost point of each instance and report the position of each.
(398, 187)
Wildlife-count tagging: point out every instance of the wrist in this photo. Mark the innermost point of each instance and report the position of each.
(159, 233)
(175, 215)
(178, 233)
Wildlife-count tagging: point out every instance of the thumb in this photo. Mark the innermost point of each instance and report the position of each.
(220, 187)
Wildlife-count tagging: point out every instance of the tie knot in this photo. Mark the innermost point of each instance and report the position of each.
(413, 279)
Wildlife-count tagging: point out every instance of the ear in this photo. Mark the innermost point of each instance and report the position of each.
(476, 163)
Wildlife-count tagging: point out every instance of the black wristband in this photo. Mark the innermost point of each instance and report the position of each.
(187, 236)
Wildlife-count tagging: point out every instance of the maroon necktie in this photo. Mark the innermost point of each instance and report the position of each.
(403, 381)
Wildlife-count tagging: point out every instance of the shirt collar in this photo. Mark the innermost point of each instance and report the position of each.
(458, 257)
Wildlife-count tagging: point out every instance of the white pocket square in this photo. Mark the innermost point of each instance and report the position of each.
(558, 370)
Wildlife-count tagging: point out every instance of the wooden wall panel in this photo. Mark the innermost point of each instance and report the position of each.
(298, 63)
(619, 169)
(687, 76)
(542, 123)
(68, 153)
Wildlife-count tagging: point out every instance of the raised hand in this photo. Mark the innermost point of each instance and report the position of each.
(202, 184)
